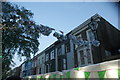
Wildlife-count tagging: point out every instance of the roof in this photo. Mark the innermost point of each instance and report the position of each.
(85, 23)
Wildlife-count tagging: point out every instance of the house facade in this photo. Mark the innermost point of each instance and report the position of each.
(41, 63)
(109, 39)
(50, 60)
(63, 55)
(26, 68)
(59, 56)
(34, 65)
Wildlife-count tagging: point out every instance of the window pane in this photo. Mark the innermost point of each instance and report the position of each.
(47, 57)
(91, 35)
(52, 54)
(107, 53)
(64, 63)
(88, 56)
(67, 47)
(59, 50)
(42, 60)
(82, 57)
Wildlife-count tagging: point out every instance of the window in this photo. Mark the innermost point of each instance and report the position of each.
(52, 55)
(82, 58)
(79, 37)
(64, 64)
(59, 51)
(40, 71)
(47, 68)
(47, 57)
(90, 35)
(42, 60)
(88, 56)
(67, 47)
(39, 61)
(107, 53)
(52, 66)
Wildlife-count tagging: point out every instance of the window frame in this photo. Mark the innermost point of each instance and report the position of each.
(59, 50)
(67, 47)
(52, 54)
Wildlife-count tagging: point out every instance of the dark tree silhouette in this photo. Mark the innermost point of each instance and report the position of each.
(19, 34)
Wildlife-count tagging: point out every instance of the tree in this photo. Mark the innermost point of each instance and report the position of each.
(19, 34)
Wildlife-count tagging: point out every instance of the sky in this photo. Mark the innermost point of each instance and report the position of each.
(66, 16)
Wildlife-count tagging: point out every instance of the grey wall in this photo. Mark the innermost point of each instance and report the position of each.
(70, 56)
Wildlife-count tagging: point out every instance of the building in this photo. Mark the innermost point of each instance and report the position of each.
(108, 36)
(63, 55)
(50, 59)
(59, 56)
(34, 65)
(26, 68)
(41, 63)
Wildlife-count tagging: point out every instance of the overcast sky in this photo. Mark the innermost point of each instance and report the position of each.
(66, 16)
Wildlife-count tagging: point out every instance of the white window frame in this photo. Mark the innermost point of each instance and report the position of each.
(47, 57)
(59, 50)
(85, 57)
(88, 37)
(66, 47)
(52, 54)
(76, 46)
(90, 47)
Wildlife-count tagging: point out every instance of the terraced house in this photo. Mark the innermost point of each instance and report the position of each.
(41, 63)
(63, 55)
(108, 36)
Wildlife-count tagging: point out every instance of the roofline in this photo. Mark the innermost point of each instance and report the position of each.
(85, 23)
(72, 31)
